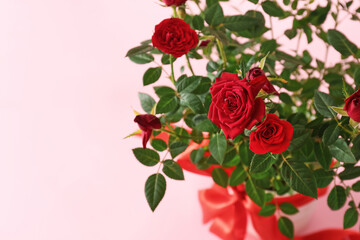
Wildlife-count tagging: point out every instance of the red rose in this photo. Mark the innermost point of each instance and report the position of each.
(174, 2)
(234, 104)
(352, 106)
(272, 135)
(174, 36)
(147, 123)
(256, 72)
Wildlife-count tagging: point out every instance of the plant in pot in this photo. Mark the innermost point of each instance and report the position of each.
(274, 128)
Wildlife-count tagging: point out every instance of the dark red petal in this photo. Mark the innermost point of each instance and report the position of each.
(269, 88)
(257, 84)
(145, 137)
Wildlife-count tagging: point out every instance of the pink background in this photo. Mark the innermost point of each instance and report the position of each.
(66, 99)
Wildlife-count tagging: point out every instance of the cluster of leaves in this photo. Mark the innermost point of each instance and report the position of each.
(326, 142)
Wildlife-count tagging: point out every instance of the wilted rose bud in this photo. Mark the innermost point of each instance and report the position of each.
(352, 106)
(174, 2)
(257, 72)
(147, 122)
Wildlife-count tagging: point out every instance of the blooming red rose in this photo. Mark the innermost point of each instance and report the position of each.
(174, 36)
(147, 122)
(174, 2)
(234, 104)
(256, 72)
(272, 135)
(352, 106)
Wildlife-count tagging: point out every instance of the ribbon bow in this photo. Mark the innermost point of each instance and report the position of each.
(229, 214)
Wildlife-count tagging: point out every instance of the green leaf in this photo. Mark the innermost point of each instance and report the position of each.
(146, 156)
(299, 177)
(220, 177)
(340, 111)
(323, 178)
(285, 98)
(198, 22)
(323, 155)
(147, 102)
(262, 61)
(139, 50)
(142, 58)
(331, 134)
(350, 173)
(357, 77)
(155, 187)
(350, 218)
(356, 186)
(288, 208)
(291, 33)
(163, 91)
(286, 227)
(176, 148)
(272, 8)
(238, 176)
(151, 75)
(341, 43)
(167, 103)
(268, 46)
(217, 147)
(297, 142)
(341, 151)
(188, 85)
(197, 155)
(158, 144)
(239, 23)
(173, 170)
(192, 101)
(267, 210)
(336, 198)
(323, 102)
(203, 123)
(214, 15)
(256, 194)
(261, 163)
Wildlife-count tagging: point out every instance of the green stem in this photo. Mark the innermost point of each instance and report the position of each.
(174, 11)
(222, 53)
(189, 64)
(172, 77)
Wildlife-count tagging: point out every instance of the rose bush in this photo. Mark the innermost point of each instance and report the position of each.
(234, 104)
(272, 135)
(174, 36)
(214, 121)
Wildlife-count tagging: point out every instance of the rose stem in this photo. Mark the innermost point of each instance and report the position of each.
(222, 53)
(189, 64)
(172, 77)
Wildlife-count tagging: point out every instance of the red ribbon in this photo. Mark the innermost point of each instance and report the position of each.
(228, 213)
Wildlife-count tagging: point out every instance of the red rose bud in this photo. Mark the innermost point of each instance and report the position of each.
(147, 122)
(174, 36)
(204, 43)
(174, 2)
(272, 135)
(234, 105)
(256, 72)
(352, 106)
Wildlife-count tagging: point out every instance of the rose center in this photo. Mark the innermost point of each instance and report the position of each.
(269, 132)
